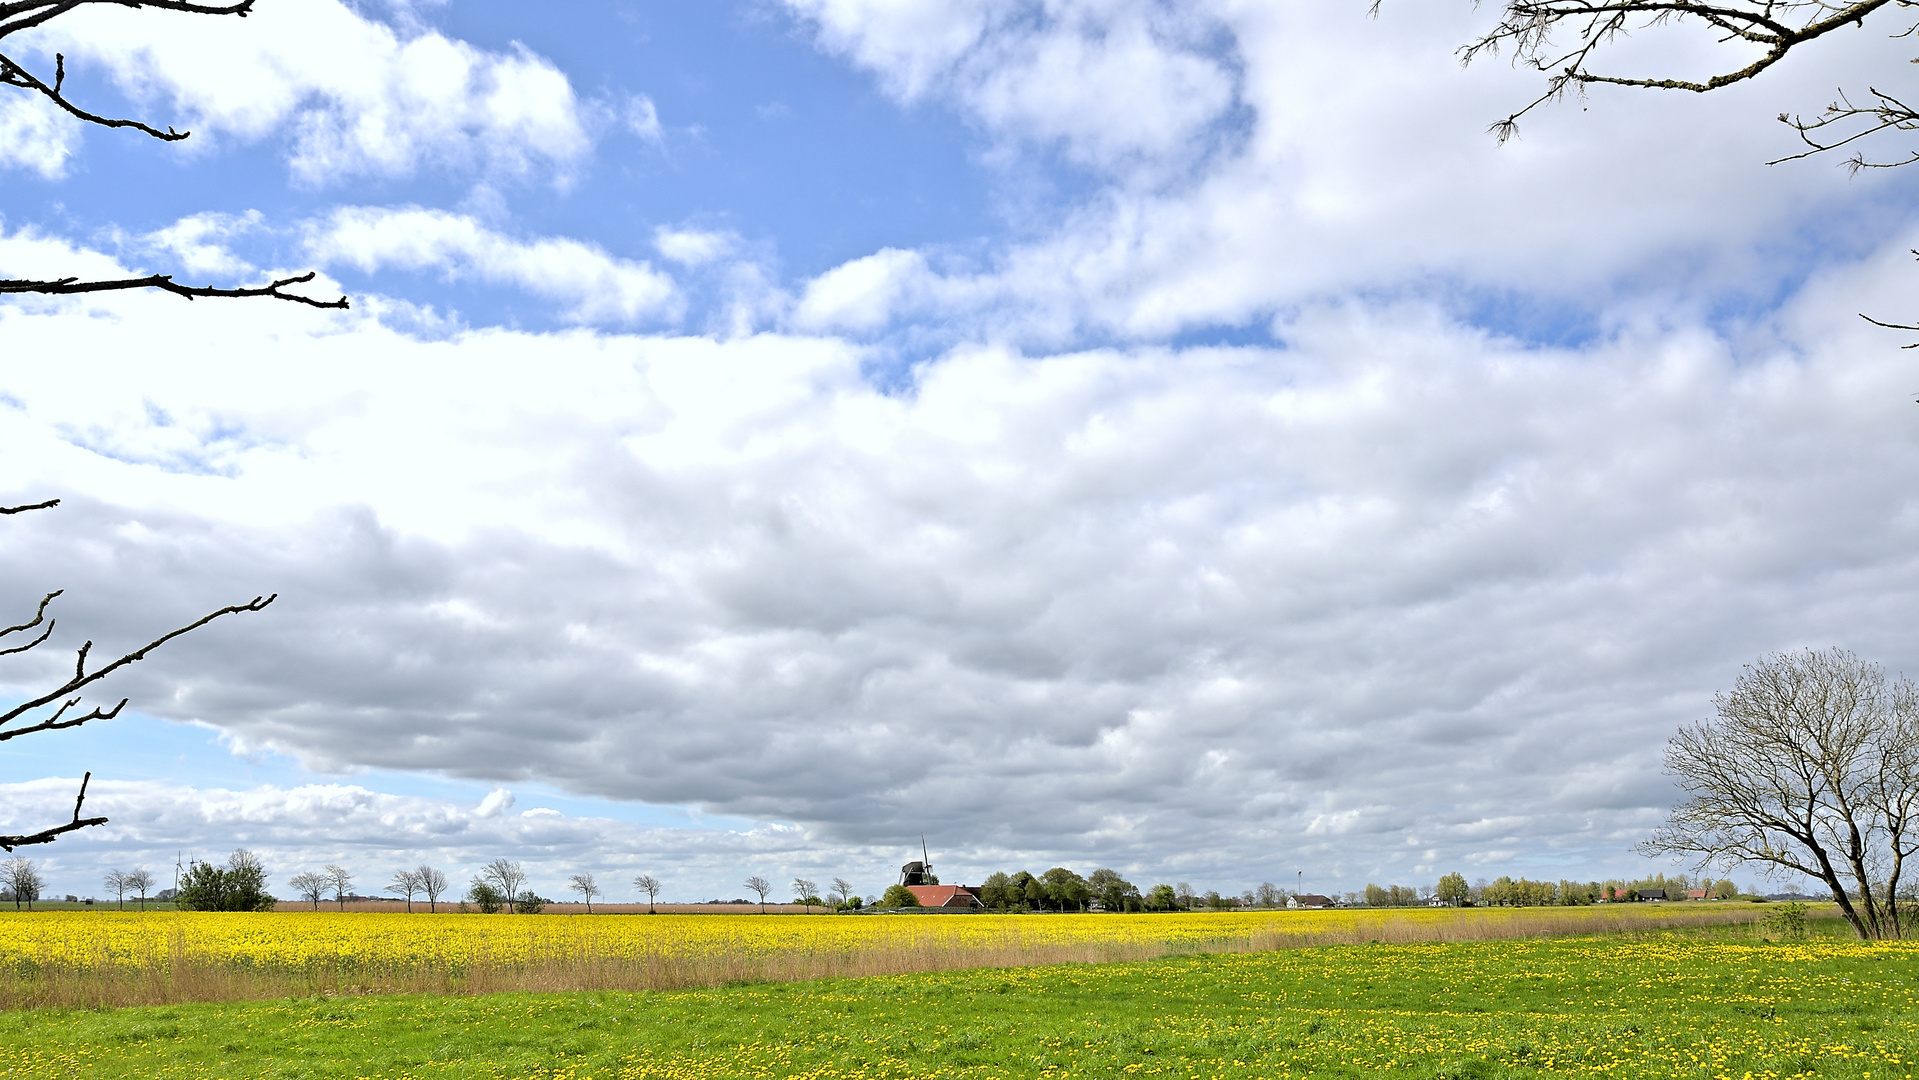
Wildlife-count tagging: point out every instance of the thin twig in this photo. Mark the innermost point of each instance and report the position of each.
(165, 283)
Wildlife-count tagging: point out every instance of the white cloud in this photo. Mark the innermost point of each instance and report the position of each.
(497, 802)
(598, 286)
(862, 294)
(642, 118)
(34, 135)
(1254, 157)
(374, 834)
(360, 98)
(1116, 84)
(910, 43)
(1173, 606)
(198, 241)
(694, 247)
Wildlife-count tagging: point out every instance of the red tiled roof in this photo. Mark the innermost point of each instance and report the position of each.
(944, 895)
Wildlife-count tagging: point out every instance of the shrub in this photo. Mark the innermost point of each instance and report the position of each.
(486, 898)
(1788, 923)
(239, 886)
(899, 896)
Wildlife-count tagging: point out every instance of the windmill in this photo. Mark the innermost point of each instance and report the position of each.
(921, 872)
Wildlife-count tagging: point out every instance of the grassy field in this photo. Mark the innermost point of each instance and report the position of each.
(106, 959)
(1706, 1004)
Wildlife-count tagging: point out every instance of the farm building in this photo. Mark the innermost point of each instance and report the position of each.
(946, 896)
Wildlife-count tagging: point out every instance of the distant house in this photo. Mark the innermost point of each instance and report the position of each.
(1652, 894)
(1310, 900)
(1699, 894)
(956, 897)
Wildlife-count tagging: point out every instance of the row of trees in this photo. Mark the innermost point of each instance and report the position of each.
(1503, 891)
(240, 885)
(1058, 889)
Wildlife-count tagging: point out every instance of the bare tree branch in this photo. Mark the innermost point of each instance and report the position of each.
(12, 74)
(1527, 29)
(1888, 112)
(48, 505)
(26, 15)
(82, 677)
(38, 615)
(47, 836)
(165, 283)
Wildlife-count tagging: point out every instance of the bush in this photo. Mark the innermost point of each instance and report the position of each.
(1788, 923)
(239, 886)
(899, 896)
(486, 898)
(530, 903)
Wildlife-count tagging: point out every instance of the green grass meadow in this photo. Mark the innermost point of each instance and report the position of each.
(1662, 1005)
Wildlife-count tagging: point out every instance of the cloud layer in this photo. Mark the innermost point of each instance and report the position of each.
(1397, 597)
(374, 835)
(1248, 158)
(958, 538)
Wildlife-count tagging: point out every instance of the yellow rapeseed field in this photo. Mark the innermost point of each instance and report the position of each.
(123, 958)
(1619, 1007)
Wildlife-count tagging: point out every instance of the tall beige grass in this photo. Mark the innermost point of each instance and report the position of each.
(166, 971)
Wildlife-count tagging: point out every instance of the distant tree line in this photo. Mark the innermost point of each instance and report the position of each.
(241, 884)
(1453, 891)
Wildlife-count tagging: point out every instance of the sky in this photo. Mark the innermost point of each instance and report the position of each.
(1104, 433)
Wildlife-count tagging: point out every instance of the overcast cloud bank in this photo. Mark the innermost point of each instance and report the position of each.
(967, 542)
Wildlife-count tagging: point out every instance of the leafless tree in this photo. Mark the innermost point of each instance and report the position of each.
(22, 881)
(17, 16)
(1810, 765)
(310, 886)
(843, 889)
(761, 886)
(649, 885)
(140, 882)
(1561, 38)
(586, 885)
(64, 700)
(433, 884)
(339, 880)
(507, 876)
(118, 884)
(408, 884)
(804, 891)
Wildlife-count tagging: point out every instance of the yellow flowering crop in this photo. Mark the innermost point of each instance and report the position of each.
(103, 941)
